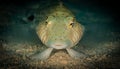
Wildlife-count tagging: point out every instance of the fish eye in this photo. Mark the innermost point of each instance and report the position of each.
(46, 22)
(72, 24)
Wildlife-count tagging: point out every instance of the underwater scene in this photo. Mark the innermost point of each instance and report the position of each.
(59, 34)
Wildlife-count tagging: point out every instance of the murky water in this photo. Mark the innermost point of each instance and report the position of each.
(101, 26)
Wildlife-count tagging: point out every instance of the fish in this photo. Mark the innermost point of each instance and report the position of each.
(60, 30)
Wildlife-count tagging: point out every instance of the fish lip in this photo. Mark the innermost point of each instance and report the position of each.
(59, 45)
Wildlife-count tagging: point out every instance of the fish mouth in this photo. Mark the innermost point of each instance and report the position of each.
(59, 45)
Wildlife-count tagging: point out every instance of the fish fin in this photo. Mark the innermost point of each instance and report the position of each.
(75, 54)
(43, 55)
(60, 3)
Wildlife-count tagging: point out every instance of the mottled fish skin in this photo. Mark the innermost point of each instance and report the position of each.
(59, 31)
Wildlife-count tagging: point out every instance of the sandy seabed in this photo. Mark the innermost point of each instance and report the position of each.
(16, 56)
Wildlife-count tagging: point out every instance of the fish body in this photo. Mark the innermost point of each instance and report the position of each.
(60, 30)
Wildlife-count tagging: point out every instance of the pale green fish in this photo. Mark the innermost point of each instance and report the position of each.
(60, 31)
